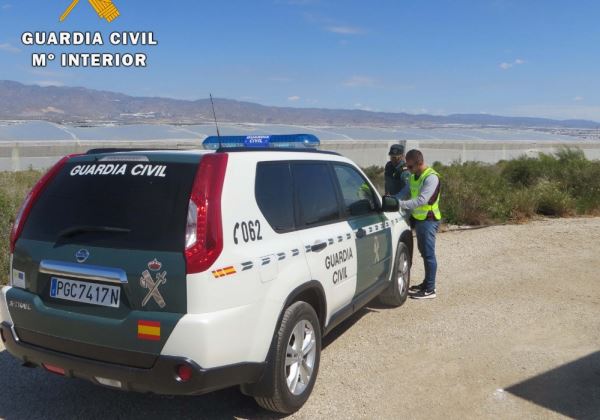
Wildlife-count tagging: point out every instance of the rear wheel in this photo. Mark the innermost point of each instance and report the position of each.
(396, 294)
(293, 369)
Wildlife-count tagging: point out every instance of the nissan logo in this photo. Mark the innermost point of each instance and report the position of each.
(82, 255)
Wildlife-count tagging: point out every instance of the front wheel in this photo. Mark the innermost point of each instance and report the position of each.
(292, 371)
(395, 295)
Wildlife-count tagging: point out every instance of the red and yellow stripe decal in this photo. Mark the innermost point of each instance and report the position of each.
(148, 330)
(222, 272)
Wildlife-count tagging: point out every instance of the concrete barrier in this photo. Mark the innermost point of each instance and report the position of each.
(15, 156)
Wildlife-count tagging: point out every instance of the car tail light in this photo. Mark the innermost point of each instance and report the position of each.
(184, 373)
(31, 198)
(204, 230)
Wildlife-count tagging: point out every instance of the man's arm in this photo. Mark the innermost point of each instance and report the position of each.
(404, 193)
(429, 186)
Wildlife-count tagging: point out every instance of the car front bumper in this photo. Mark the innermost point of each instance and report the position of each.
(161, 378)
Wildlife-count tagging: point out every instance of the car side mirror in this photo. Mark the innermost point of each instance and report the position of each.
(389, 204)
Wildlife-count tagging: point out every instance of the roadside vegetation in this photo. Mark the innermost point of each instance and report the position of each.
(14, 186)
(474, 193)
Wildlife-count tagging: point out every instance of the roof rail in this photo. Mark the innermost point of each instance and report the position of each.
(278, 149)
(119, 149)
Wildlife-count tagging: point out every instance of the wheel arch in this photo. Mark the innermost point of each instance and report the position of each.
(311, 292)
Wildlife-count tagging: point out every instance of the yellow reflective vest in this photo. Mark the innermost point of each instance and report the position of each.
(420, 213)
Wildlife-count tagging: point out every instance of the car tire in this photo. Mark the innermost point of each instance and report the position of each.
(290, 376)
(397, 292)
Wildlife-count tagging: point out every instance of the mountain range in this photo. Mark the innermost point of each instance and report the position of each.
(78, 105)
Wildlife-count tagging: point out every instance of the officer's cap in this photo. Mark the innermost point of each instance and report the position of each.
(396, 150)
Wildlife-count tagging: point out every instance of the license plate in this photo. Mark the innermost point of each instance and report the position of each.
(80, 291)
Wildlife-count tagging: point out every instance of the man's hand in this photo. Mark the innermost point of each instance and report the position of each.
(105, 9)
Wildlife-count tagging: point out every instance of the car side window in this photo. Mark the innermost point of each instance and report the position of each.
(315, 194)
(358, 196)
(275, 195)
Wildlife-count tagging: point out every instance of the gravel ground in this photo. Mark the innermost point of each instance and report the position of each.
(514, 333)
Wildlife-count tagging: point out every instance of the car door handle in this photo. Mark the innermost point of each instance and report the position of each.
(318, 247)
(360, 233)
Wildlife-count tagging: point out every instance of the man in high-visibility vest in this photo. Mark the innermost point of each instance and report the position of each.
(424, 205)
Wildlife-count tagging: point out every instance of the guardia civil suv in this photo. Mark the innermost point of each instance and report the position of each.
(184, 272)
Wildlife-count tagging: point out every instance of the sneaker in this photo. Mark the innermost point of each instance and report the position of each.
(424, 294)
(417, 288)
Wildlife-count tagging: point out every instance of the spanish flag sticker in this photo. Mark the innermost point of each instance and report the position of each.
(224, 272)
(149, 330)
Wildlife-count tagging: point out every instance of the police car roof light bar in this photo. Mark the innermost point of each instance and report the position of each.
(277, 141)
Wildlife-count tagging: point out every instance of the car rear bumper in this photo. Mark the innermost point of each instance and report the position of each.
(161, 378)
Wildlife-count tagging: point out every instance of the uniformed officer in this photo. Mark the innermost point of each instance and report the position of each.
(396, 173)
(424, 205)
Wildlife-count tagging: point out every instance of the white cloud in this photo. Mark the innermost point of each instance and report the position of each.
(578, 98)
(360, 81)
(345, 30)
(6, 6)
(47, 83)
(293, 98)
(9, 48)
(333, 25)
(362, 107)
(507, 65)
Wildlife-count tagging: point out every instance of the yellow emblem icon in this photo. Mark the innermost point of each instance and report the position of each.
(105, 9)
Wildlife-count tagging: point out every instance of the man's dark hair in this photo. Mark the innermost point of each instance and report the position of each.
(416, 156)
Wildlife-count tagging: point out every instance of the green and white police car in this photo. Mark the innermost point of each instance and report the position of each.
(184, 272)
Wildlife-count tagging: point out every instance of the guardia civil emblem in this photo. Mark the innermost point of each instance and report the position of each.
(376, 247)
(151, 283)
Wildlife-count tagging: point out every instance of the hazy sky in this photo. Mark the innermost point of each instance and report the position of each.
(510, 57)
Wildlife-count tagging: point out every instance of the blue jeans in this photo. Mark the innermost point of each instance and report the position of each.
(426, 231)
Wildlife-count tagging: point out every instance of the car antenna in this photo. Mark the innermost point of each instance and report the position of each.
(215, 117)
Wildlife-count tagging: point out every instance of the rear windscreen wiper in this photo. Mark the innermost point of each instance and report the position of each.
(75, 230)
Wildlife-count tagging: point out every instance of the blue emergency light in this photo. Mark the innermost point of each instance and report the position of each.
(288, 141)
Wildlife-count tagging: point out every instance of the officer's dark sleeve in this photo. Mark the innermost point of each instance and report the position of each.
(405, 178)
(388, 180)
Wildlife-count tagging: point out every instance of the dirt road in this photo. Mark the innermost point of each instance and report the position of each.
(514, 333)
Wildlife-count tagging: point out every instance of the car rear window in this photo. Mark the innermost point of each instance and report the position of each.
(275, 194)
(139, 205)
